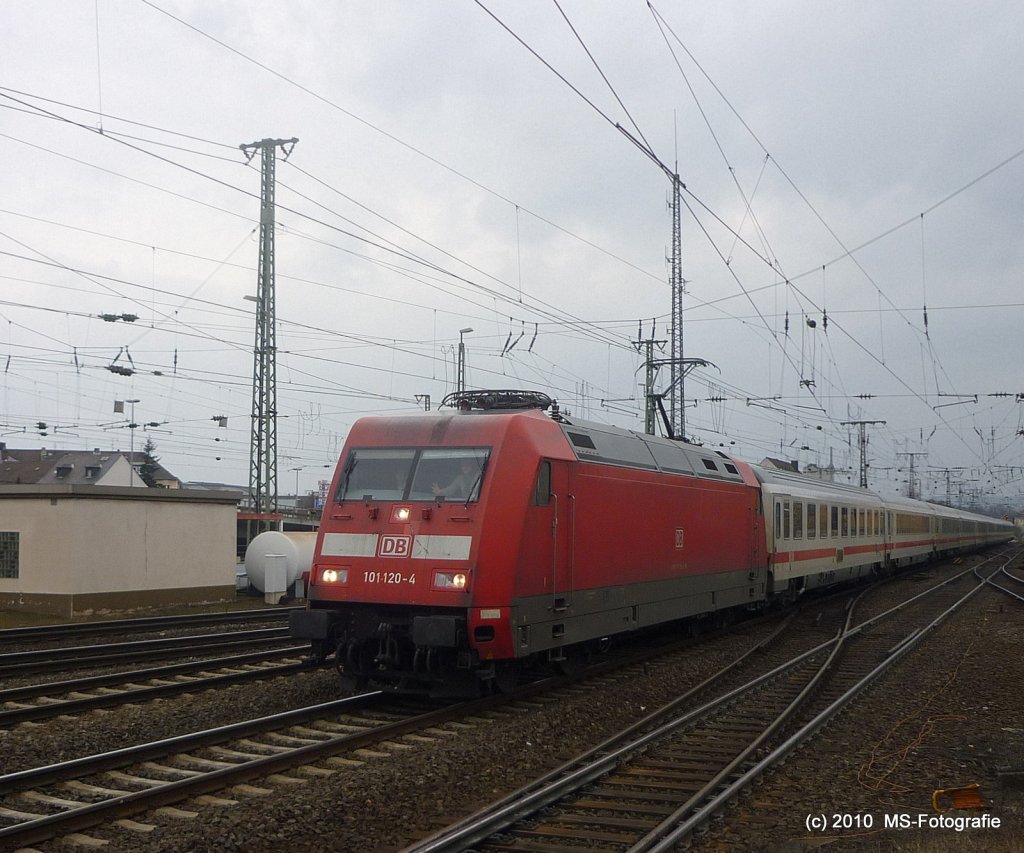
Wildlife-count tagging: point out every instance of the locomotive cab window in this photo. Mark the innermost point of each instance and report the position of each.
(452, 473)
(395, 474)
(376, 473)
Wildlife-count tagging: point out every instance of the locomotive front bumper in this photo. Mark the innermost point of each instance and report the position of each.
(311, 624)
(438, 631)
(432, 631)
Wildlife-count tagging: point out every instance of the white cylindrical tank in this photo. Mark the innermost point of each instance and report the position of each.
(294, 545)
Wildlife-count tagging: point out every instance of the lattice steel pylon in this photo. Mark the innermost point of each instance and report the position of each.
(263, 439)
(676, 398)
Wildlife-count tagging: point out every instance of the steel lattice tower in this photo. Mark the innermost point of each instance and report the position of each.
(263, 440)
(676, 398)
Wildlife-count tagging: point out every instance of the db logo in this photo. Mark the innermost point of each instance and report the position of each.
(394, 546)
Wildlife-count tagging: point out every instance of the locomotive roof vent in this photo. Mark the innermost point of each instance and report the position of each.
(497, 399)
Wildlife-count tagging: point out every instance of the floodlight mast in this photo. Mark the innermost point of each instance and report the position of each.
(263, 439)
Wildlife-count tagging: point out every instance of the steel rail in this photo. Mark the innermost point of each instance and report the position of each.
(59, 659)
(71, 652)
(112, 626)
(1006, 589)
(146, 693)
(13, 694)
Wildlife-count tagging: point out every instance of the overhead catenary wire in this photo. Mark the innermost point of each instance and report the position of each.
(543, 308)
(723, 243)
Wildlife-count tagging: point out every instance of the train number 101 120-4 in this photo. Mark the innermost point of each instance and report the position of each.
(388, 577)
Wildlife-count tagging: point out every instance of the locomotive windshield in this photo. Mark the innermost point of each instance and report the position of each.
(410, 474)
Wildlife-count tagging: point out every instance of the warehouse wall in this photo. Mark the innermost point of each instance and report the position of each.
(95, 547)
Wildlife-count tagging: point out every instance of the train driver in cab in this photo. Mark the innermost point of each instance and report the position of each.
(465, 484)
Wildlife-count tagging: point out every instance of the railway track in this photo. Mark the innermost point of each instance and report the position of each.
(60, 659)
(652, 785)
(64, 630)
(55, 800)
(39, 702)
(324, 739)
(44, 802)
(1011, 581)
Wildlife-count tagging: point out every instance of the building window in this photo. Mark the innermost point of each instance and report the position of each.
(9, 548)
(92, 472)
(63, 471)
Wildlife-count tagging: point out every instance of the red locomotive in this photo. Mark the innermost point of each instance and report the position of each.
(458, 545)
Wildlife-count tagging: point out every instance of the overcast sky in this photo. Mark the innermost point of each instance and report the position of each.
(459, 166)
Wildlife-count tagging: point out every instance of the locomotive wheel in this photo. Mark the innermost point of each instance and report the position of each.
(353, 683)
(573, 662)
(352, 665)
(506, 676)
(725, 618)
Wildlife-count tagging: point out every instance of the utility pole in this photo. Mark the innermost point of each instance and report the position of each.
(862, 442)
(263, 439)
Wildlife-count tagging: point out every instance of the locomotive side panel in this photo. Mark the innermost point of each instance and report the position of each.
(630, 549)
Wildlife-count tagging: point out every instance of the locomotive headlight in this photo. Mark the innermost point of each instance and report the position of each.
(401, 513)
(450, 580)
(334, 575)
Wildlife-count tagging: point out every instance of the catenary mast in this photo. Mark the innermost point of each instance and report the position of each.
(676, 398)
(263, 439)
